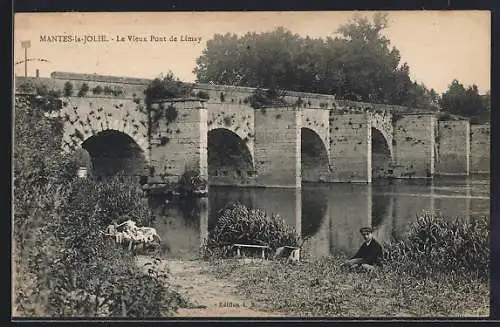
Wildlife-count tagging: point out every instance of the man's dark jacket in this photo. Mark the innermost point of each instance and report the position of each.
(371, 254)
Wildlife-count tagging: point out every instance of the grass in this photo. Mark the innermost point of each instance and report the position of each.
(322, 288)
(441, 269)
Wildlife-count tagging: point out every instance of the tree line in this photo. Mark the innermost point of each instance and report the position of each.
(358, 64)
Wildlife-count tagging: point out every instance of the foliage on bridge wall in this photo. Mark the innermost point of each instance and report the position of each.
(84, 89)
(203, 95)
(266, 98)
(44, 98)
(68, 89)
(167, 88)
(160, 112)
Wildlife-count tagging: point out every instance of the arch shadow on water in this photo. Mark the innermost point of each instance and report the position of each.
(314, 211)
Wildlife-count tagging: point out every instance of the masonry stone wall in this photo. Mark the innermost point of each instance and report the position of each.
(238, 119)
(344, 126)
(238, 94)
(277, 147)
(480, 148)
(414, 145)
(86, 116)
(453, 148)
(317, 121)
(179, 145)
(230, 93)
(315, 149)
(350, 156)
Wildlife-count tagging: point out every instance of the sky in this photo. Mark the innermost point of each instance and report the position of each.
(439, 46)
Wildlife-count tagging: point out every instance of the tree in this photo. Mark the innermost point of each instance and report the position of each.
(83, 90)
(357, 64)
(97, 90)
(466, 102)
(68, 89)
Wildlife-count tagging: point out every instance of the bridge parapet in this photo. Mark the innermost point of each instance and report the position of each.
(422, 143)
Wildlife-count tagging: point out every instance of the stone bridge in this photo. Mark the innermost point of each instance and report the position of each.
(315, 138)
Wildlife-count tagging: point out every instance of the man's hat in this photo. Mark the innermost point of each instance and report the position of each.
(366, 230)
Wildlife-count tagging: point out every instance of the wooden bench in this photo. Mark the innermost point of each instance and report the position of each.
(251, 246)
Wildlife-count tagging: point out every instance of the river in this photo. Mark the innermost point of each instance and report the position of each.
(330, 215)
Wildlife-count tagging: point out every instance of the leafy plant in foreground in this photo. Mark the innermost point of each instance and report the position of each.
(63, 264)
(239, 224)
(437, 244)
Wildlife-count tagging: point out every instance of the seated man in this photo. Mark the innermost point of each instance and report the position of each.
(368, 255)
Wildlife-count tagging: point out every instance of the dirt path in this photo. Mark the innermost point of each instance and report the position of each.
(218, 296)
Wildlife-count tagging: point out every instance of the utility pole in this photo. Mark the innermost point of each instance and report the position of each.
(26, 45)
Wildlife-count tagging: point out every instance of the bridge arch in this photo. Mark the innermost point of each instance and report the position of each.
(87, 116)
(381, 154)
(114, 152)
(230, 160)
(315, 162)
(382, 123)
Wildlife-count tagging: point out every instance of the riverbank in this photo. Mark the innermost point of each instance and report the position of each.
(232, 288)
(322, 288)
(209, 296)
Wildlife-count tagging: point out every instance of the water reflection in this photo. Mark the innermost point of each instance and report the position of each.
(329, 215)
(182, 226)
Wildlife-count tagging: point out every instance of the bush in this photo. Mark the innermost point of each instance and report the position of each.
(203, 95)
(119, 201)
(26, 87)
(63, 264)
(43, 98)
(266, 98)
(171, 114)
(107, 90)
(191, 181)
(84, 89)
(166, 88)
(68, 89)
(89, 264)
(239, 224)
(437, 244)
(97, 90)
(81, 273)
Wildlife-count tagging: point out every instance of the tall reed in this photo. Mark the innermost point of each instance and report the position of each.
(437, 244)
